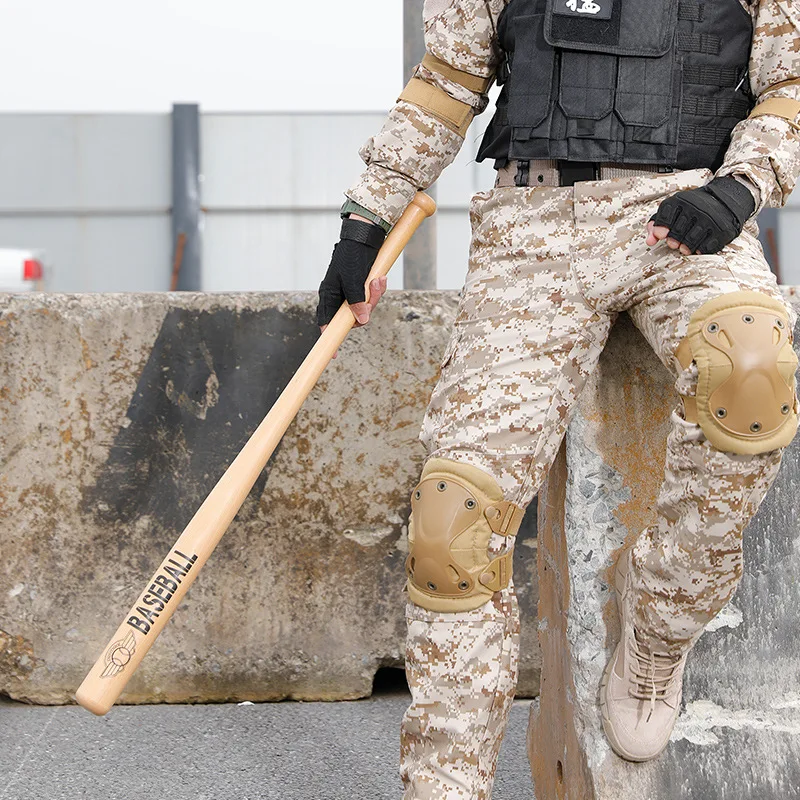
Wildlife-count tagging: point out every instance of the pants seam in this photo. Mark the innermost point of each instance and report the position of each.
(579, 285)
(504, 652)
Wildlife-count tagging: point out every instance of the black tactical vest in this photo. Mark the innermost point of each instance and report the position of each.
(621, 81)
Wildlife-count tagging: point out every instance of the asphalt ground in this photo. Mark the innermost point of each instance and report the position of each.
(269, 751)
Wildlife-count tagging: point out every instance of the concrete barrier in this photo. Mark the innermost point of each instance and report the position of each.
(118, 413)
(738, 736)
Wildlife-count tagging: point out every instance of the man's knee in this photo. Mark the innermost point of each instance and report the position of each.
(455, 509)
(746, 400)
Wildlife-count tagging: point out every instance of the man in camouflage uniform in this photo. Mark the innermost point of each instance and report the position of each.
(659, 227)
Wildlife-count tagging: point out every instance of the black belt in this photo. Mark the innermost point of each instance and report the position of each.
(570, 172)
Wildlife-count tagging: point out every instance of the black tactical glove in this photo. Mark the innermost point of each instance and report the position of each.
(353, 257)
(709, 218)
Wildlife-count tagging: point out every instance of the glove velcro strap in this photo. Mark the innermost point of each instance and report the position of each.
(735, 196)
(365, 232)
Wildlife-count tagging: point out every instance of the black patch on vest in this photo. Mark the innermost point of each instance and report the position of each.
(584, 9)
(583, 29)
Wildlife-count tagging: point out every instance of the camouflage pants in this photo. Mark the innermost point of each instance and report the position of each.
(549, 270)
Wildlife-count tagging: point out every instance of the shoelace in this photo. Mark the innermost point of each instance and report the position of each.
(654, 672)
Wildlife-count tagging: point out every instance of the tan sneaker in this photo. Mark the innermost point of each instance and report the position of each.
(640, 694)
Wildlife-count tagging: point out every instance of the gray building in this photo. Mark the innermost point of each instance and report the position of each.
(95, 192)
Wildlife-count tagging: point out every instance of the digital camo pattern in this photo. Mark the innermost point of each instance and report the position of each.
(767, 149)
(463, 33)
(413, 145)
(523, 344)
(407, 155)
(687, 565)
(549, 270)
(775, 55)
(462, 671)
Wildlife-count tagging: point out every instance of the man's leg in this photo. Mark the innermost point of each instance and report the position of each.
(523, 345)
(685, 568)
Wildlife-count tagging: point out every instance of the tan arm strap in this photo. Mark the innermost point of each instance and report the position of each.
(472, 82)
(779, 107)
(782, 84)
(453, 113)
(783, 107)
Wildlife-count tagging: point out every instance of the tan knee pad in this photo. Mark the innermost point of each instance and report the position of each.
(746, 397)
(454, 511)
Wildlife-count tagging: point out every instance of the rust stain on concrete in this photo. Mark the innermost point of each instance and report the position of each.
(629, 402)
(632, 454)
(87, 361)
(558, 764)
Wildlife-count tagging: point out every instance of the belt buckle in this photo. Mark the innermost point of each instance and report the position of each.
(572, 172)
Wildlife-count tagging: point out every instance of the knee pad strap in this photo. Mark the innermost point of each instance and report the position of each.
(454, 510)
(746, 398)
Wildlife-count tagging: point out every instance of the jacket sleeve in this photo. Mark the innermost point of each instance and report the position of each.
(427, 126)
(765, 148)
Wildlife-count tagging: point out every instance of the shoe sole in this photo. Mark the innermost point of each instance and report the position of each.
(620, 575)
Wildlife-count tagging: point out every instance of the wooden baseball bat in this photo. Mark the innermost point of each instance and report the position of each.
(165, 590)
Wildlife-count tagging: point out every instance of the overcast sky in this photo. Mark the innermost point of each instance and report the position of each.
(228, 55)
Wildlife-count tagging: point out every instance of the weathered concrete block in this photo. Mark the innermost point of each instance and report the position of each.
(118, 413)
(738, 736)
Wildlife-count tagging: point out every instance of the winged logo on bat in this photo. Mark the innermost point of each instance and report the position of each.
(118, 655)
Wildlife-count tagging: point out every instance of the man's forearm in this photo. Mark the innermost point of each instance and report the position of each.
(765, 149)
(408, 155)
(426, 128)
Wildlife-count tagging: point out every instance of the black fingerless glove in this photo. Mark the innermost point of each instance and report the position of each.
(709, 218)
(353, 257)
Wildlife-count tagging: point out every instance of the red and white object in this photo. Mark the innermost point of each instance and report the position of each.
(21, 270)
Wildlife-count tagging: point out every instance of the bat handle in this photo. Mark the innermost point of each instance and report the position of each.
(421, 207)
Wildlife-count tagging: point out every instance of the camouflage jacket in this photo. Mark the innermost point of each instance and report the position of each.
(413, 147)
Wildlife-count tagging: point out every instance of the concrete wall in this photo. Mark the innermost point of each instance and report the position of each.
(94, 191)
(738, 736)
(117, 415)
